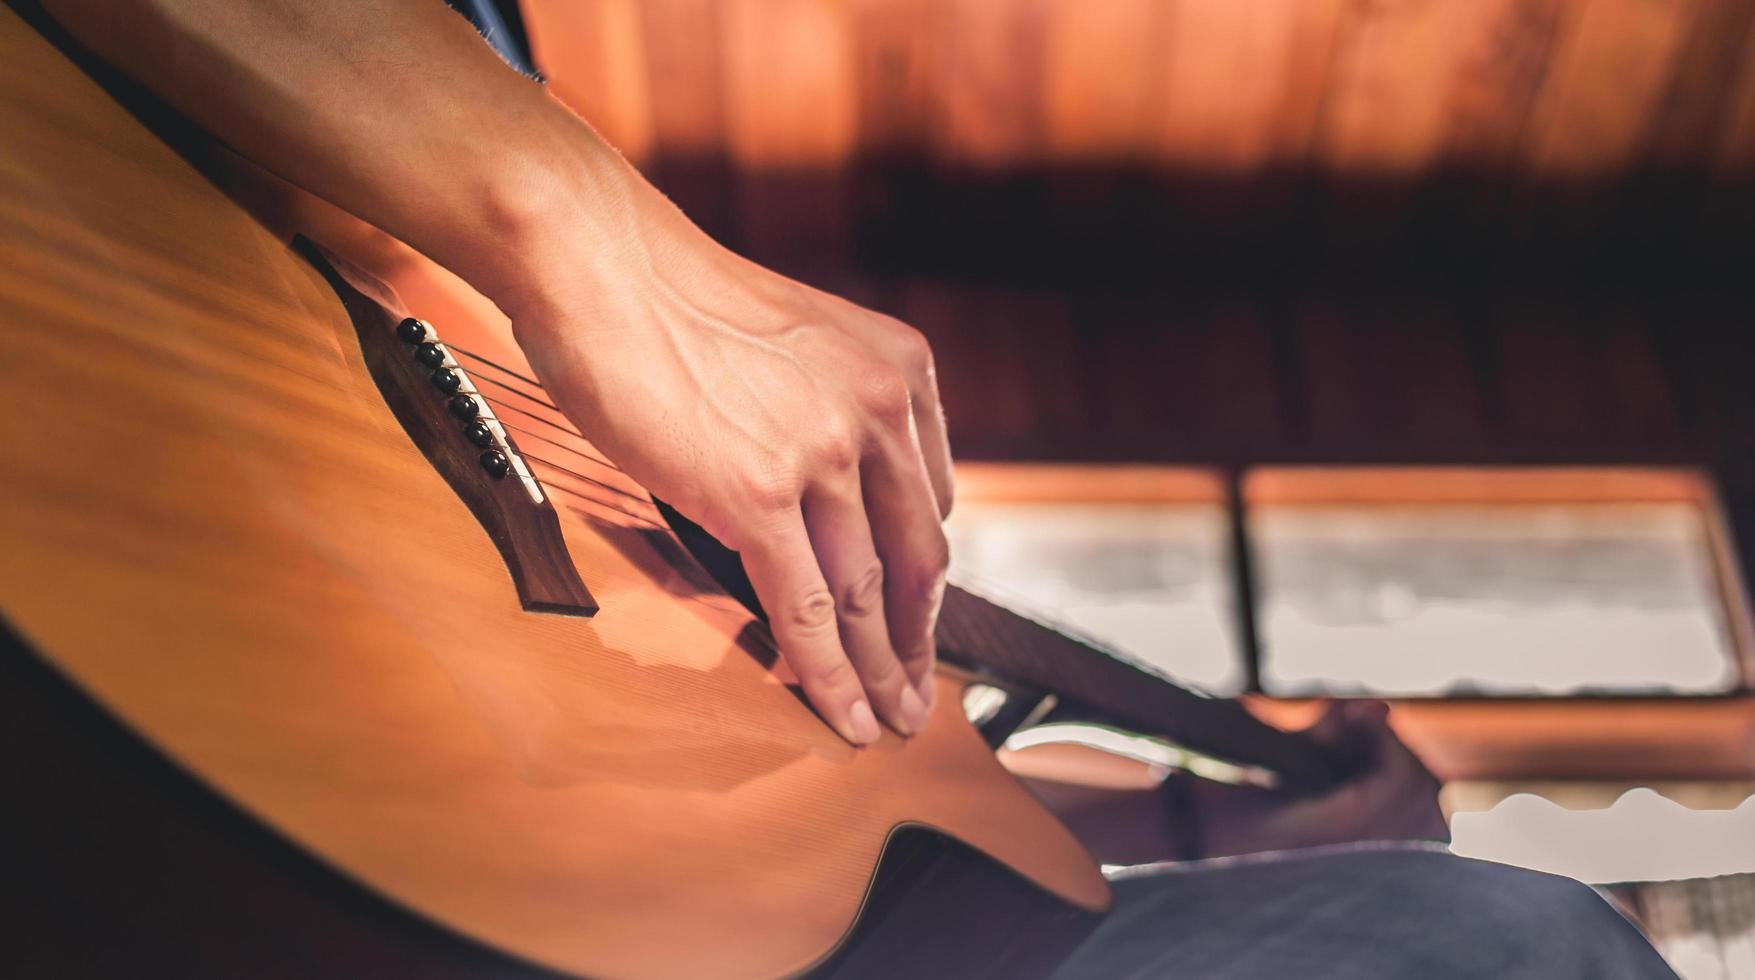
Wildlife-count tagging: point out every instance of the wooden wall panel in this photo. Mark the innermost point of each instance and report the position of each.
(1309, 69)
(1586, 87)
(1012, 367)
(989, 62)
(791, 102)
(684, 42)
(981, 374)
(1639, 393)
(1179, 378)
(791, 120)
(1217, 382)
(1395, 67)
(1389, 375)
(1611, 68)
(1100, 59)
(802, 225)
(1502, 69)
(602, 45)
(1575, 376)
(1732, 153)
(1233, 80)
(1712, 346)
(1686, 121)
(1066, 194)
(894, 41)
(684, 47)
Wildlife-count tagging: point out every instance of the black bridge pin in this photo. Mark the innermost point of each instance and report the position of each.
(446, 380)
(478, 433)
(430, 354)
(496, 463)
(463, 406)
(411, 331)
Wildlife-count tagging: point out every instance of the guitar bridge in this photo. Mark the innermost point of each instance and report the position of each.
(454, 426)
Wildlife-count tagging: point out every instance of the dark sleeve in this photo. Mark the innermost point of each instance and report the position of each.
(503, 27)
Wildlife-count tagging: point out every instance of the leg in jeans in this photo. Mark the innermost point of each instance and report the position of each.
(1360, 913)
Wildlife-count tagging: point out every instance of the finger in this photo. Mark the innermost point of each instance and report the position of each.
(908, 351)
(835, 518)
(783, 569)
(934, 440)
(911, 544)
(932, 437)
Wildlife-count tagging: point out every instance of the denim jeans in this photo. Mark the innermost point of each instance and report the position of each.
(1361, 912)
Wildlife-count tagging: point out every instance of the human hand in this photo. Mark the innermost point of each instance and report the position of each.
(799, 429)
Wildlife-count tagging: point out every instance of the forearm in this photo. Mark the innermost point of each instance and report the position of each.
(392, 109)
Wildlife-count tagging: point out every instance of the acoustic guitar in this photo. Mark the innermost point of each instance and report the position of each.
(332, 651)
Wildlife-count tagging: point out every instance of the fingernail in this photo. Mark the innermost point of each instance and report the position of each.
(913, 711)
(863, 724)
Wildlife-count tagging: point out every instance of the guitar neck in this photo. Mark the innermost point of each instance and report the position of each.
(987, 638)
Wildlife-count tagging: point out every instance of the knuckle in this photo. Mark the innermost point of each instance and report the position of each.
(929, 589)
(814, 612)
(912, 349)
(770, 485)
(928, 571)
(883, 392)
(936, 556)
(837, 448)
(865, 593)
(716, 522)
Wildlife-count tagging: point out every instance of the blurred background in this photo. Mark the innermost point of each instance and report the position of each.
(1199, 230)
(1306, 348)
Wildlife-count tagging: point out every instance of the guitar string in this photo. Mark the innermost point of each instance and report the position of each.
(537, 401)
(612, 488)
(616, 508)
(521, 410)
(531, 398)
(582, 454)
(585, 479)
(528, 397)
(517, 391)
(497, 366)
(569, 474)
(553, 425)
(606, 506)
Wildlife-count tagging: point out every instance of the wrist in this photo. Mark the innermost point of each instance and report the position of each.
(562, 219)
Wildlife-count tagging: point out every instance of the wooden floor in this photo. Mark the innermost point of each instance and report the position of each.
(1705, 927)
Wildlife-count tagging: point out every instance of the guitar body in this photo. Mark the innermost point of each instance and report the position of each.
(218, 530)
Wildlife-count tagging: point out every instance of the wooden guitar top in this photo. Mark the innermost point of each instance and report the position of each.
(217, 529)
